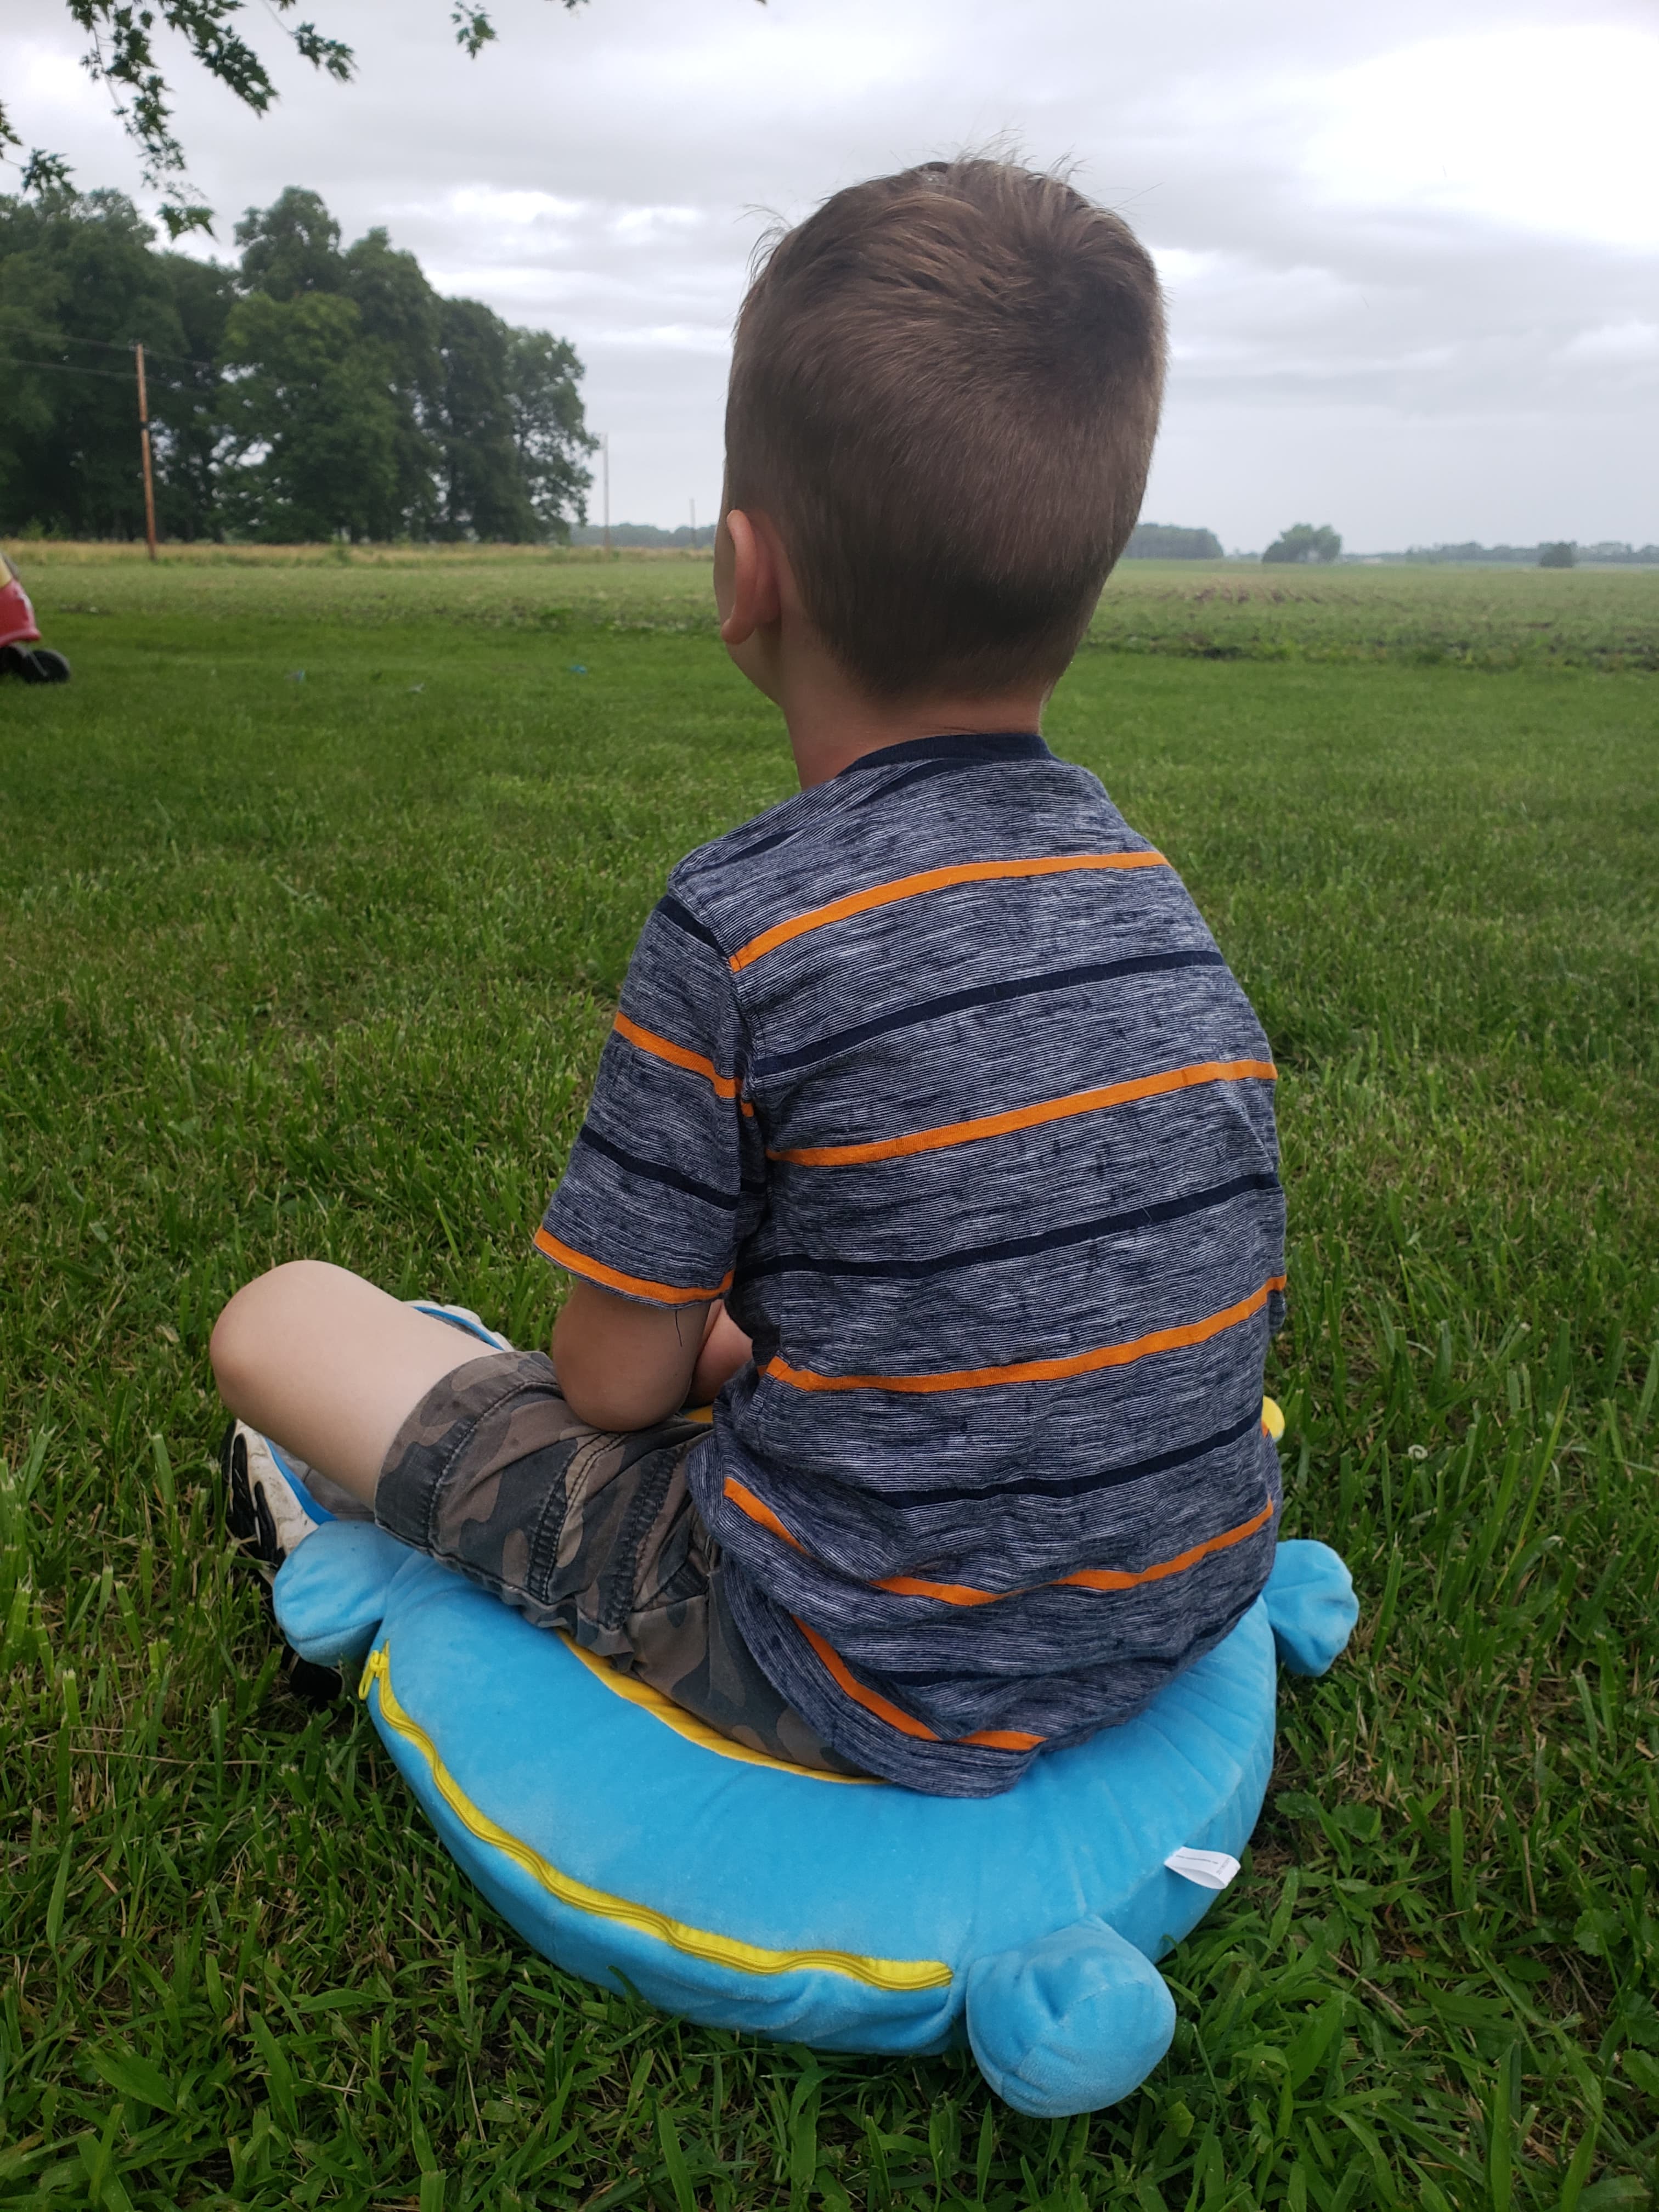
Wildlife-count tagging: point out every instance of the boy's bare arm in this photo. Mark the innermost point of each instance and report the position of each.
(624, 1365)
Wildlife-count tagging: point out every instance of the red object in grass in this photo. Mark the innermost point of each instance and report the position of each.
(21, 652)
(17, 622)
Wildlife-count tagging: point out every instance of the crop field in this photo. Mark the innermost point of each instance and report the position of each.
(1422, 616)
(316, 885)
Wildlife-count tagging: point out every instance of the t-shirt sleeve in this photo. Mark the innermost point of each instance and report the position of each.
(669, 1157)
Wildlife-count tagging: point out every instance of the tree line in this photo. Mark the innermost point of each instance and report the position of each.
(1170, 541)
(1561, 553)
(307, 391)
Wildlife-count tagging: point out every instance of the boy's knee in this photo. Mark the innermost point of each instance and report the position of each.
(244, 1330)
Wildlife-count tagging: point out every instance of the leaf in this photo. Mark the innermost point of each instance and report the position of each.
(278, 2072)
(679, 2180)
(1593, 1931)
(1297, 1804)
(1572, 2187)
(1313, 2041)
(136, 2078)
(1611, 2195)
(1500, 2142)
(55, 1902)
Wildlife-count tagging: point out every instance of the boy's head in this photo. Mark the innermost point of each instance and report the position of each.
(945, 391)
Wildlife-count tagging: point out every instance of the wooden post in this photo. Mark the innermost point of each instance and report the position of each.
(143, 445)
(604, 458)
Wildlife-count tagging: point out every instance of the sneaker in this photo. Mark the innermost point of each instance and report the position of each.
(462, 1317)
(269, 1508)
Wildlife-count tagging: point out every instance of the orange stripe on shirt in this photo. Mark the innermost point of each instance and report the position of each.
(946, 1592)
(1108, 1578)
(963, 1593)
(638, 1286)
(1095, 1578)
(930, 879)
(758, 1511)
(1032, 1117)
(1035, 1371)
(906, 1723)
(872, 1703)
(677, 1055)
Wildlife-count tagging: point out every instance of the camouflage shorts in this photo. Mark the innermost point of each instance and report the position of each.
(585, 1531)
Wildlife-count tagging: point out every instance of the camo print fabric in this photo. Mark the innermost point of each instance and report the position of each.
(589, 1531)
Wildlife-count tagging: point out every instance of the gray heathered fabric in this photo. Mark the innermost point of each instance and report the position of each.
(1110, 1223)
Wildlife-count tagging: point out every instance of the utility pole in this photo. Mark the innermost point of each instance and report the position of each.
(604, 465)
(143, 446)
(693, 526)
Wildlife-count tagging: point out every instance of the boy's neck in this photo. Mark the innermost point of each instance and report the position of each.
(832, 721)
(832, 724)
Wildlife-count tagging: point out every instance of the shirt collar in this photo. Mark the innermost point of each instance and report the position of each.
(972, 746)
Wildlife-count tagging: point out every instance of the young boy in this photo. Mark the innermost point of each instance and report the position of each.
(933, 1074)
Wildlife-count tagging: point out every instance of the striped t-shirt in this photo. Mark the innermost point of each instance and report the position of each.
(935, 1072)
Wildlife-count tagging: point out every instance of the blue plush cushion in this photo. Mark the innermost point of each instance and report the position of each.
(623, 1840)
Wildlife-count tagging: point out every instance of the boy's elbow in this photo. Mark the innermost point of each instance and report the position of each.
(619, 1365)
(608, 1400)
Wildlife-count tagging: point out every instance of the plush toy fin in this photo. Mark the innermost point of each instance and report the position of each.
(331, 1591)
(1311, 1605)
(1069, 2024)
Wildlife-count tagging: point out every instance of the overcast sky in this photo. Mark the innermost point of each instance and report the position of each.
(1412, 250)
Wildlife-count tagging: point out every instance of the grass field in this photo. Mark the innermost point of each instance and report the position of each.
(323, 965)
(1223, 610)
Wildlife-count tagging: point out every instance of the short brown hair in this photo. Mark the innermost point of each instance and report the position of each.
(944, 390)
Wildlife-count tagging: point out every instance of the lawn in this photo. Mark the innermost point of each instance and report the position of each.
(319, 883)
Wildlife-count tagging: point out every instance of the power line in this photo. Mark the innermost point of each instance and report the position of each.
(107, 345)
(69, 369)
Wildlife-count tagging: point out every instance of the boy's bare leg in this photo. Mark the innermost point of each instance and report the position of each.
(329, 1366)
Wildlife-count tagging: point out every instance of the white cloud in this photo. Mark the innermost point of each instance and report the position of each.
(1618, 343)
(483, 204)
(1541, 129)
(1411, 246)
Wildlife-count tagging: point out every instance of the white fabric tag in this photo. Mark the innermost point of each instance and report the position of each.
(1209, 1869)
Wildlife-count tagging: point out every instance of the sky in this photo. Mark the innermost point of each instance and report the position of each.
(1411, 251)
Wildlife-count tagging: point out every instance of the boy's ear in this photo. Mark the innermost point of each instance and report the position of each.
(748, 584)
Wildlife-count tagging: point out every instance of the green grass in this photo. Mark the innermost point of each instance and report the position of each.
(1476, 618)
(324, 967)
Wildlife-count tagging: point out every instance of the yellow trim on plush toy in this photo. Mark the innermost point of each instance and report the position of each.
(675, 1716)
(739, 1957)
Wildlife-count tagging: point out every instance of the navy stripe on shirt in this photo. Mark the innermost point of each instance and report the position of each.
(671, 910)
(1016, 1247)
(1082, 1485)
(655, 1171)
(765, 845)
(984, 994)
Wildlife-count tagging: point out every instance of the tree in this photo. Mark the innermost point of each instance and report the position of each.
(311, 445)
(293, 246)
(118, 52)
(1167, 541)
(79, 281)
(399, 311)
(549, 429)
(1301, 541)
(1561, 555)
(484, 492)
(310, 390)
